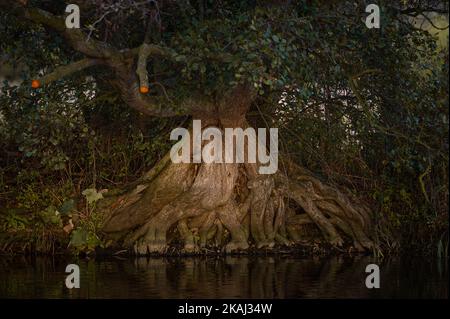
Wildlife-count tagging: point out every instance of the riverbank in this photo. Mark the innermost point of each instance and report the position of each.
(56, 242)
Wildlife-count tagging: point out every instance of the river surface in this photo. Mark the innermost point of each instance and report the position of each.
(223, 277)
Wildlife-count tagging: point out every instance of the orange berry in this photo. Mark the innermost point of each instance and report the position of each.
(143, 89)
(35, 84)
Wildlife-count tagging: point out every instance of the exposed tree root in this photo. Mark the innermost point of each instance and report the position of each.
(227, 207)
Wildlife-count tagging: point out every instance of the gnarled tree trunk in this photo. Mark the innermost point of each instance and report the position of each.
(231, 206)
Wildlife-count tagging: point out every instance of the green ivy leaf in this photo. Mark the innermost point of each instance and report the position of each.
(92, 195)
(78, 237)
(50, 216)
(67, 207)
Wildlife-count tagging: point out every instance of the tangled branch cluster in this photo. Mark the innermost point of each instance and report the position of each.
(112, 13)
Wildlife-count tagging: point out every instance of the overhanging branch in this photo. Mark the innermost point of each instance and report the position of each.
(76, 37)
(97, 53)
(142, 69)
(65, 70)
(120, 61)
(127, 83)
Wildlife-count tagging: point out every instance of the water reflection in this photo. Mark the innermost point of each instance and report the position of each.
(228, 277)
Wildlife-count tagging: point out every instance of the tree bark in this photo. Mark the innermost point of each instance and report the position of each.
(231, 207)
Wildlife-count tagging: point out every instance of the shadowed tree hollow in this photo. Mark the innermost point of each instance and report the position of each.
(232, 64)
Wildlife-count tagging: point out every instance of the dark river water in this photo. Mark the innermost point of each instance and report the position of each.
(224, 277)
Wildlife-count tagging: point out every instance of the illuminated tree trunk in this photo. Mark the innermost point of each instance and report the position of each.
(230, 207)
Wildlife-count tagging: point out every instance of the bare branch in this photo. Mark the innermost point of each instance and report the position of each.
(76, 37)
(65, 70)
(142, 68)
(128, 86)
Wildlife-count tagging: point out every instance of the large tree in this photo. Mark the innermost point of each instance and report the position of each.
(218, 61)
